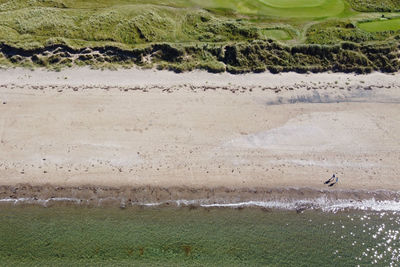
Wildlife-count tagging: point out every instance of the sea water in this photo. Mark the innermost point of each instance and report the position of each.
(196, 236)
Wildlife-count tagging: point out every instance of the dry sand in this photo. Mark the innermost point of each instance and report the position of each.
(156, 128)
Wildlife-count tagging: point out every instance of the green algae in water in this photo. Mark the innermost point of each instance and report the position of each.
(33, 235)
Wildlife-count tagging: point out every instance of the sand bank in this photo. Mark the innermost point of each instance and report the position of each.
(135, 128)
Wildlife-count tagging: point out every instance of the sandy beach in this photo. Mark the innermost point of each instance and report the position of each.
(82, 127)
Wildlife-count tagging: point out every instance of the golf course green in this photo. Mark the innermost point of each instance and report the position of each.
(283, 9)
(293, 3)
(277, 34)
(381, 25)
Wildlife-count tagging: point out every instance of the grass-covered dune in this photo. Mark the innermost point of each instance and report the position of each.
(217, 35)
(376, 5)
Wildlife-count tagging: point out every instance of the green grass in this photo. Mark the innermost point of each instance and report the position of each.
(134, 22)
(334, 32)
(277, 34)
(381, 25)
(285, 9)
(129, 24)
(82, 23)
(293, 3)
(200, 29)
(376, 5)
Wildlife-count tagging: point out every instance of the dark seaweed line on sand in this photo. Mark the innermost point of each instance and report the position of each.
(241, 57)
(315, 93)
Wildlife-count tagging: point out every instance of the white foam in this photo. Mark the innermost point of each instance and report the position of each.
(42, 202)
(321, 203)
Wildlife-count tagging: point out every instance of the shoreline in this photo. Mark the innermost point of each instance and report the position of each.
(136, 128)
(298, 199)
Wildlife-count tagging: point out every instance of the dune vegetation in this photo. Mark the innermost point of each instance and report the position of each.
(374, 5)
(217, 35)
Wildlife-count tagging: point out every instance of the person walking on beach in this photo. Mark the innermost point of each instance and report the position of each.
(332, 184)
(330, 179)
(333, 180)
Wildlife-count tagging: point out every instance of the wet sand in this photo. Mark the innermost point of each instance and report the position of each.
(136, 129)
